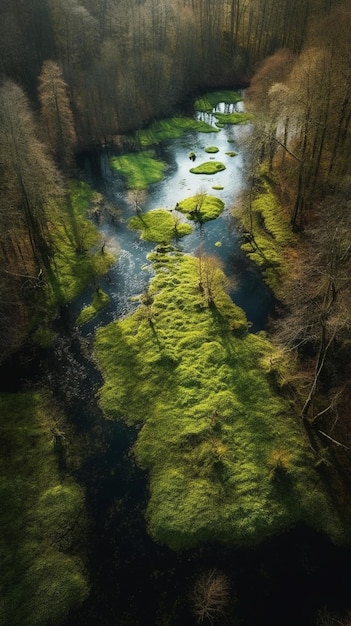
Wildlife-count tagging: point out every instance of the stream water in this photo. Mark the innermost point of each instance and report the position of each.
(219, 237)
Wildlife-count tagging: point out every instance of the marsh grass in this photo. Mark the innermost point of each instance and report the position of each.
(159, 225)
(139, 169)
(41, 518)
(212, 425)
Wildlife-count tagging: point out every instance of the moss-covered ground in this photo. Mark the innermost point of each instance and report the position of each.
(227, 459)
(41, 518)
(272, 234)
(140, 169)
(212, 149)
(100, 300)
(201, 207)
(171, 128)
(76, 263)
(159, 225)
(209, 100)
(233, 118)
(209, 167)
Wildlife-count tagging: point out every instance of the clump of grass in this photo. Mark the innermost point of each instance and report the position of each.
(210, 167)
(41, 517)
(140, 169)
(100, 300)
(184, 368)
(159, 225)
(201, 207)
(212, 149)
(209, 101)
(233, 118)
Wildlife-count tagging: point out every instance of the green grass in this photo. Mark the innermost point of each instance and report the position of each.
(171, 128)
(201, 207)
(159, 225)
(41, 519)
(140, 169)
(209, 101)
(233, 118)
(210, 167)
(100, 300)
(227, 460)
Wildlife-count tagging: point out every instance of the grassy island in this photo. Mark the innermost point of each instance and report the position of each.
(209, 167)
(201, 207)
(226, 458)
(159, 225)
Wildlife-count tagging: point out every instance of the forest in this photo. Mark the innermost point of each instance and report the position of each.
(175, 462)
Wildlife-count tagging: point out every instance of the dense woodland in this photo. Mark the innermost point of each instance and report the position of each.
(85, 75)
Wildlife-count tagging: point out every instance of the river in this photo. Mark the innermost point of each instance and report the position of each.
(220, 237)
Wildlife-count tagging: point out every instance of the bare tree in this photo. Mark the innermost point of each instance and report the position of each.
(210, 596)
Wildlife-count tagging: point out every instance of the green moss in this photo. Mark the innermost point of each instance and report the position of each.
(201, 208)
(210, 100)
(159, 225)
(272, 234)
(75, 266)
(210, 422)
(41, 518)
(171, 128)
(233, 118)
(211, 149)
(210, 167)
(140, 169)
(100, 300)
(217, 187)
(232, 153)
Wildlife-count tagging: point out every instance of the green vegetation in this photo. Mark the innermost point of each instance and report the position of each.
(41, 518)
(201, 207)
(226, 459)
(76, 266)
(233, 118)
(272, 235)
(100, 300)
(210, 100)
(171, 128)
(140, 169)
(217, 187)
(210, 167)
(159, 225)
(212, 149)
(232, 153)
